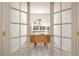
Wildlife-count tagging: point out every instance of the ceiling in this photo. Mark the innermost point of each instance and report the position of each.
(39, 7)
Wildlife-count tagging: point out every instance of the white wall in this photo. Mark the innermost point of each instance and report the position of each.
(40, 10)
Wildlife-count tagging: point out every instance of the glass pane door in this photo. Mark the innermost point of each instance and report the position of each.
(62, 28)
(18, 27)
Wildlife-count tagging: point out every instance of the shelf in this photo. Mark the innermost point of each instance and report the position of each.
(39, 31)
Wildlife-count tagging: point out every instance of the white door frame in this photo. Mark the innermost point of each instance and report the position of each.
(6, 40)
(75, 29)
(4, 29)
(75, 25)
(1, 22)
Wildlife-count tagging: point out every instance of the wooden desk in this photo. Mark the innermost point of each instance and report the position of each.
(40, 39)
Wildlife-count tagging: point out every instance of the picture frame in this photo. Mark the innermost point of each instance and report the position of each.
(35, 27)
(42, 27)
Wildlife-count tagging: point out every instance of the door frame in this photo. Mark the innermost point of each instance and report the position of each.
(4, 29)
(1, 25)
(75, 29)
(5, 41)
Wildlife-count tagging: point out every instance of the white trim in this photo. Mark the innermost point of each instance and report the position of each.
(74, 19)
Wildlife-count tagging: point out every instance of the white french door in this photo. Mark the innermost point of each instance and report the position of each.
(18, 26)
(62, 28)
(13, 27)
(65, 28)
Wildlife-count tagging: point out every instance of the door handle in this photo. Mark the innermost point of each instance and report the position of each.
(2, 33)
(77, 34)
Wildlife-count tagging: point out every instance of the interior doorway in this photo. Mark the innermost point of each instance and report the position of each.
(20, 20)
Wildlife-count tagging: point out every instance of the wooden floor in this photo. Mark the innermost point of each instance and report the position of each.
(39, 50)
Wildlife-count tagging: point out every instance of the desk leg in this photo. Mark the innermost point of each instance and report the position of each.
(35, 44)
(44, 44)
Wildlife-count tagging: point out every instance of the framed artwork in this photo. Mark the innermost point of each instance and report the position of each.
(42, 27)
(35, 27)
